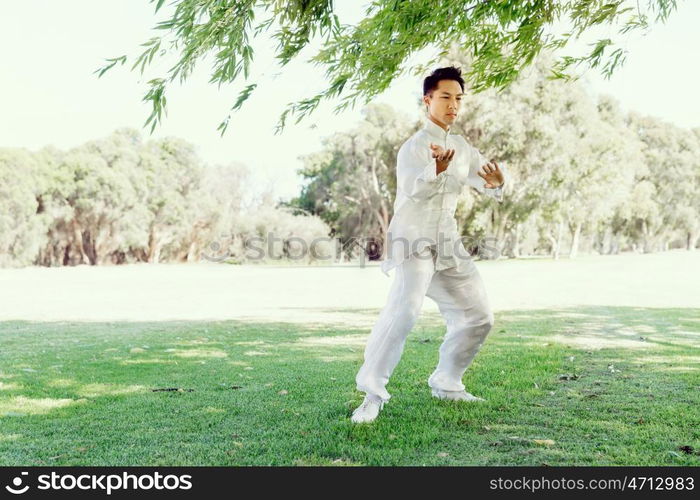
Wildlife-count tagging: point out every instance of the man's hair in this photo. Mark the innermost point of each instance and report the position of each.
(449, 73)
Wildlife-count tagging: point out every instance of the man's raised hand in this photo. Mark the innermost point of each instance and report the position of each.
(491, 174)
(442, 157)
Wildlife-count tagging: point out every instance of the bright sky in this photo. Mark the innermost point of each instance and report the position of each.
(49, 94)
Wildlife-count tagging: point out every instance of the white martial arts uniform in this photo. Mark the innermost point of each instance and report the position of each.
(424, 246)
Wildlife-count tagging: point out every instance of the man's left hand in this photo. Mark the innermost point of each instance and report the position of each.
(492, 175)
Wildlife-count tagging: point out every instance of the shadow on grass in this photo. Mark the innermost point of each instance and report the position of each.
(575, 386)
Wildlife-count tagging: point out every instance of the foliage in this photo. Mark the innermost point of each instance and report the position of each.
(360, 61)
(583, 171)
(119, 200)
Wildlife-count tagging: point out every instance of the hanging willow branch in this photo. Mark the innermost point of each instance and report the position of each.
(360, 61)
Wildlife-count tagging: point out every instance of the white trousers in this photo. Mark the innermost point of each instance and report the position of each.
(461, 297)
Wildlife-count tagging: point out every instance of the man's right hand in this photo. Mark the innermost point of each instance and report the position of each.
(442, 158)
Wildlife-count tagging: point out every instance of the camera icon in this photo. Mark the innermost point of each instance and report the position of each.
(17, 482)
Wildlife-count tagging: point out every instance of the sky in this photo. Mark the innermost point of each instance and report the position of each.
(49, 93)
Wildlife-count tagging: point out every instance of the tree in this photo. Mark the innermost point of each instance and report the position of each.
(362, 60)
(559, 150)
(218, 209)
(351, 182)
(22, 231)
(583, 171)
(664, 203)
(171, 172)
(617, 161)
(604, 156)
(120, 200)
(101, 192)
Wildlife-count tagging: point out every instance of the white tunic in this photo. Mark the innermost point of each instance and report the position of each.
(425, 202)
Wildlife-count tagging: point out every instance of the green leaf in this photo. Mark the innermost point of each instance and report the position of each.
(112, 62)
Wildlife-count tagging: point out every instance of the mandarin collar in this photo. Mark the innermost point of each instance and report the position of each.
(434, 129)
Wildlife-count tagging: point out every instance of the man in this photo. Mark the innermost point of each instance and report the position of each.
(425, 247)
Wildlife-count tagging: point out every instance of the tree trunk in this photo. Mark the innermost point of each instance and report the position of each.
(552, 243)
(78, 237)
(382, 216)
(500, 235)
(153, 247)
(556, 240)
(648, 243)
(140, 254)
(340, 251)
(573, 252)
(607, 240)
(66, 255)
(598, 243)
(614, 245)
(515, 244)
(191, 252)
(88, 243)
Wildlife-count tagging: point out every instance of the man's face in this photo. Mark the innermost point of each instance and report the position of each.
(445, 101)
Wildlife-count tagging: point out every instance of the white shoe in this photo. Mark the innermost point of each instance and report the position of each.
(367, 411)
(455, 395)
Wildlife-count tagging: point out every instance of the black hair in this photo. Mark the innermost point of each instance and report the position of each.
(449, 73)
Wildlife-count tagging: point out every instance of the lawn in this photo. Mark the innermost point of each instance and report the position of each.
(587, 385)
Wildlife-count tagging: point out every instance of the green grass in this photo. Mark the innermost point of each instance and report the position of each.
(82, 394)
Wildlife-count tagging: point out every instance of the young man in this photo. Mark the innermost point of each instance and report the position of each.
(425, 247)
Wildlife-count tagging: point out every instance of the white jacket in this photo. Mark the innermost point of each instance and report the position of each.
(425, 202)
